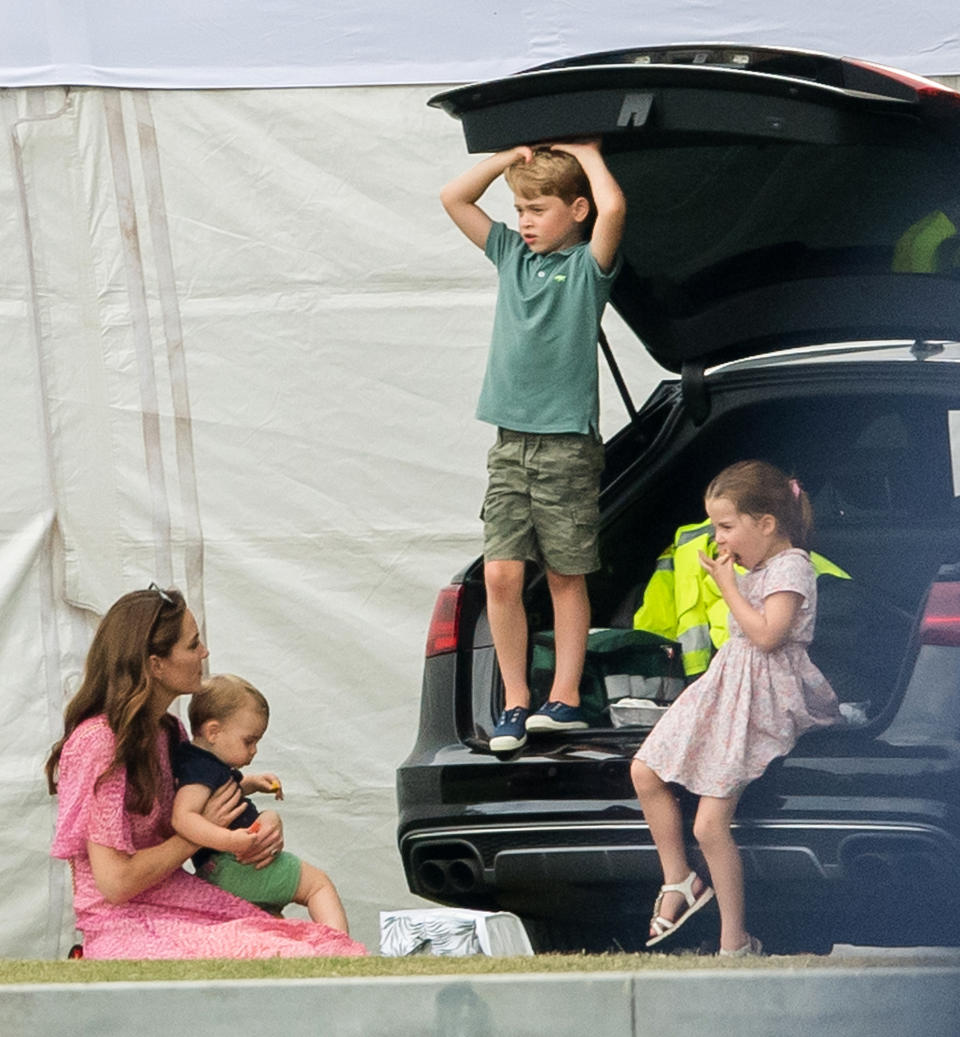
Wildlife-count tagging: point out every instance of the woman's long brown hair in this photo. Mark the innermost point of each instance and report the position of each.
(117, 684)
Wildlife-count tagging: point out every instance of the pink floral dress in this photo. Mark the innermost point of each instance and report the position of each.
(181, 916)
(750, 706)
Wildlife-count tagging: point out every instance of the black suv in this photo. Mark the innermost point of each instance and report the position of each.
(792, 257)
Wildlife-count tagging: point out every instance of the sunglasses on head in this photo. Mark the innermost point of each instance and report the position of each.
(164, 597)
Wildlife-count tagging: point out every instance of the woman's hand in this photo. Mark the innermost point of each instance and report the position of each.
(225, 805)
(268, 842)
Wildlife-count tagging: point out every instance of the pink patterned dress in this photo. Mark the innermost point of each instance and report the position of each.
(181, 916)
(750, 706)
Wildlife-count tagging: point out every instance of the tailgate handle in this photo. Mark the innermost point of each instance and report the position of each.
(635, 110)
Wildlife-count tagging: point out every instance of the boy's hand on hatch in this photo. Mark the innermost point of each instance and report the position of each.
(522, 151)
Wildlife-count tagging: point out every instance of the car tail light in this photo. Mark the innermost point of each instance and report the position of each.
(941, 616)
(920, 84)
(444, 629)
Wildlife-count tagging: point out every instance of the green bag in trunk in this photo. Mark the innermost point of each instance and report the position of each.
(619, 663)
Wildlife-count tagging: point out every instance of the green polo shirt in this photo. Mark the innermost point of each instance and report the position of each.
(542, 367)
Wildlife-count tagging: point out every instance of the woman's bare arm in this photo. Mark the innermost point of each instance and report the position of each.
(121, 876)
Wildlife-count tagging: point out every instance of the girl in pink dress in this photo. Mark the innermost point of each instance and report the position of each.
(112, 774)
(760, 693)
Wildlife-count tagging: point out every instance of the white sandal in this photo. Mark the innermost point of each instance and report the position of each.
(750, 949)
(664, 927)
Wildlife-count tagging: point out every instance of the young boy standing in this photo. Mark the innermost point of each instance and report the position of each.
(541, 391)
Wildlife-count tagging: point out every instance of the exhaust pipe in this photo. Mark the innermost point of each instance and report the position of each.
(918, 874)
(456, 877)
(873, 869)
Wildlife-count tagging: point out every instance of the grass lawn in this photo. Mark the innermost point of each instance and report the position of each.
(22, 971)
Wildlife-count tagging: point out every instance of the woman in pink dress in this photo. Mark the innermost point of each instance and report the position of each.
(112, 775)
(760, 693)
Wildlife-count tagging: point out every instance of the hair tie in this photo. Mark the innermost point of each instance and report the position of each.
(795, 488)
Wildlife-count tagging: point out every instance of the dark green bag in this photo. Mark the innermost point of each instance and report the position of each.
(611, 652)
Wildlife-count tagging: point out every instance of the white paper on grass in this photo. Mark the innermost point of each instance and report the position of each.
(452, 932)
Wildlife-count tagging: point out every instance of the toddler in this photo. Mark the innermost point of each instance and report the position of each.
(227, 720)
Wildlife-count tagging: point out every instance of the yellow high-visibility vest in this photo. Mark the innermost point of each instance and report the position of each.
(921, 248)
(683, 603)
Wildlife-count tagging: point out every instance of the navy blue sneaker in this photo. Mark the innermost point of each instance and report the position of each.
(511, 731)
(556, 716)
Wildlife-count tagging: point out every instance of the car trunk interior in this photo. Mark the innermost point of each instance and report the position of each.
(733, 248)
(765, 215)
(878, 469)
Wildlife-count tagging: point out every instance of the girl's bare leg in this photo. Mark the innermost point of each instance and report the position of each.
(711, 829)
(662, 812)
(319, 896)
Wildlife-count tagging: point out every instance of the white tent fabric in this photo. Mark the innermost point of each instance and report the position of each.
(242, 347)
(244, 43)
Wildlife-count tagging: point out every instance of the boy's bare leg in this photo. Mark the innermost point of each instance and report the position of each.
(571, 623)
(508, 625)
(319, 896)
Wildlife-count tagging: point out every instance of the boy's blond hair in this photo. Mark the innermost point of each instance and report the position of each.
(223, 694)
(550, 172)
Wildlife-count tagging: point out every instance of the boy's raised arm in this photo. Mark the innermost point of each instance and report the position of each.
(607, 197)
(461, 195)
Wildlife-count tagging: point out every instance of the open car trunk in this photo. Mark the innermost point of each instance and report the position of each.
(777, 201)
(774, 198)
(874, 445)
(857, 817)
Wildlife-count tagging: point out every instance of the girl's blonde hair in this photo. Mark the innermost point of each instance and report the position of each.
(223, 694)
(758, 488)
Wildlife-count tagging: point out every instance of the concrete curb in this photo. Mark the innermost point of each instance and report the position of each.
(855, 1002)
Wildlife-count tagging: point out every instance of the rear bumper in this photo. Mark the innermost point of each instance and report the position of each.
(554, 839)
(473, 864)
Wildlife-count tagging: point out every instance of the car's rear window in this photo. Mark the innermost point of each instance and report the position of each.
(708, 219)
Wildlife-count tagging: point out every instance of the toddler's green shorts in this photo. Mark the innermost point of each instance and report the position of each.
(271, 887)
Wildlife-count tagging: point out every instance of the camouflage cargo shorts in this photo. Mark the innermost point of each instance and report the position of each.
(542, 500)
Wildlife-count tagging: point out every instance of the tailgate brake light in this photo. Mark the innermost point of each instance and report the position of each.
(920, 84)
(444, 632)
(941, 616)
